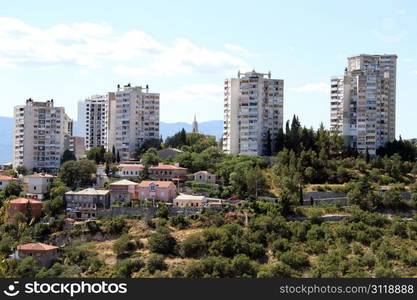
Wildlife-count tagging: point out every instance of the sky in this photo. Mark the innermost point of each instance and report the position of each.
(184, 50)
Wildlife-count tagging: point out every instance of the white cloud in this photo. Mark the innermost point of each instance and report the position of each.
(205, 93)
(413, 73)
(236, 48)
(184, 57)
(320, 87)
(89, 45)
(389, 31)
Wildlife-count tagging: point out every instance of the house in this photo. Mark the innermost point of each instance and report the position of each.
(86, 203)
(205, 177)
(101, 176)
(123, 191)
(168, 153)
(130, 170)
(184, 200)
(36, 186)
(5, 180)
(163, 172)
(45, 255)
(22, 205)
(157, 190)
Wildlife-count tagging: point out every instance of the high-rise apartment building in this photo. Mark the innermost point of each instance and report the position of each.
(363, 102)
(253, 112)
(133, 118)
(40, 134)
(93, 118)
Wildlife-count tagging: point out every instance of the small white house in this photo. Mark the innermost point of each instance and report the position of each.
(37, 185)
(5, 181)
(204, 176)
(130, 170)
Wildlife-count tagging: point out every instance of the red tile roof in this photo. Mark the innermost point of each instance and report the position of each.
(7, 178)
(39, 175)
(36, 247)
(133, 167)
(24, 201)
(166, 167)
(147, 183)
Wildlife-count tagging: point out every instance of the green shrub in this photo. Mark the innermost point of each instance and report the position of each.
(193, 246)
(161, 242)
(276, 270)
(125, 268)
(156, 262)
(295, 259)
(125, 244)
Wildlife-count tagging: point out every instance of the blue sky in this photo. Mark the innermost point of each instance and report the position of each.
(185, 49)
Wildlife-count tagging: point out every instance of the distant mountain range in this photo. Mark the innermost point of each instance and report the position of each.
(166, 129)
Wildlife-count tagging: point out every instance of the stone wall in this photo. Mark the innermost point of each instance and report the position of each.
(149, 212)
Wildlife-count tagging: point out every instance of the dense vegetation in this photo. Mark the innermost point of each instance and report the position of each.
(375, 235)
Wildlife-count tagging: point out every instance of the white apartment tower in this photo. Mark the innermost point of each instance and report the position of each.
(363, 102)
(93, 115)
(134, 118)
(40, 134)
(253, 110)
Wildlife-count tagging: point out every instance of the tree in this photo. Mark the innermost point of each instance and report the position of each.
(193, 246)
(96, 154)
(118, 156)
(12, 189)
(178, 140)
(243, 267)
(256, 182)
(26, 268)
(77, 173)
(113, 152)
(161, 242)
(54, 206)
(150, 158)
(148, 144)
(22, 170)
(68, 155)
(405, 149)
(117, 225)
(392, 199)
(58, 189)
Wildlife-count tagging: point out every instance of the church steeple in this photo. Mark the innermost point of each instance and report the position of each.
(195, 124)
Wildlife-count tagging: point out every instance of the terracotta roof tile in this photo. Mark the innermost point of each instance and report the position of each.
(36, 246)
(24, 201)
(166, 167)
(147, 183)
